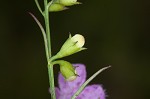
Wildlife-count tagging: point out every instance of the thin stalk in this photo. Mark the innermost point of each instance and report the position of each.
(51, 80)
(38, 6)
(87, 81)
(44, 35)
(50, 66)
(46, 18)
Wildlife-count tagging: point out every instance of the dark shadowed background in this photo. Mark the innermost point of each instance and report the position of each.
(116, 32)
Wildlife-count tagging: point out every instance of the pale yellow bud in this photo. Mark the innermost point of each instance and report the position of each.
(69, 2)
(79, 39)
(57, 7)
(72, 45)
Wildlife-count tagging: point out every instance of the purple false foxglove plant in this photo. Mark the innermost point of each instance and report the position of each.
(67, 89)
(72, 78)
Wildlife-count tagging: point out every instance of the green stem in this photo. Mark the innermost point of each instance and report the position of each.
(50, 66)
(51, 81)
(46, 17)
(44, 35)
(37, 3)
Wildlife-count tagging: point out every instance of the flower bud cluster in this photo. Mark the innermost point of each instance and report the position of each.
(60, 5)
(72, 45)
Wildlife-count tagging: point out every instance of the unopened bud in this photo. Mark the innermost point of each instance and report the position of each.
(67, 70)
(57, 7)
(72, 45)
(69, 2)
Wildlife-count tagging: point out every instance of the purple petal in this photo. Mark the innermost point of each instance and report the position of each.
(64, 96)
(57, 91)
(70, 87)
(92, 92)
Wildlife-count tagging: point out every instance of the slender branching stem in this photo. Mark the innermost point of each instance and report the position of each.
(50, 66)
(49, 4)
(44, 35)
(51, 80)
(47, 25)
(39, 7)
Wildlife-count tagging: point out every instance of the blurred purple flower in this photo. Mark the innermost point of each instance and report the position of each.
(67, 89)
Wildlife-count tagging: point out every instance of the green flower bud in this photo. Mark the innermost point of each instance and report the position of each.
(69, 2)
(72, 45)
(57, 7)
(67, 70)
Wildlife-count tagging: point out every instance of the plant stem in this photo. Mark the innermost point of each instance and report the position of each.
(50, 66)
(37, 3)
(44, 35)
(46, 17)
(51, 81)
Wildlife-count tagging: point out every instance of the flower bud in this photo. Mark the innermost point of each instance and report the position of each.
(69, 2)
(57, 7)
(72, 45)
(67, 70)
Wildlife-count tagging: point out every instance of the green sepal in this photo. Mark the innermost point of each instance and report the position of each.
(83, 48)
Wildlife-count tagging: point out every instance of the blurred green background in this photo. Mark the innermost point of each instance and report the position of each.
(116, 32)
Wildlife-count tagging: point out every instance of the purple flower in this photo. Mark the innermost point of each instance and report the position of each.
(67, 89)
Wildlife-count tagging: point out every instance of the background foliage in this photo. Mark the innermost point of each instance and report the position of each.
(116, 32)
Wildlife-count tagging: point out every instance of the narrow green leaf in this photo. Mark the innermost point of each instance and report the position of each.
(38, 6)
(89, 80)
(43, 33)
